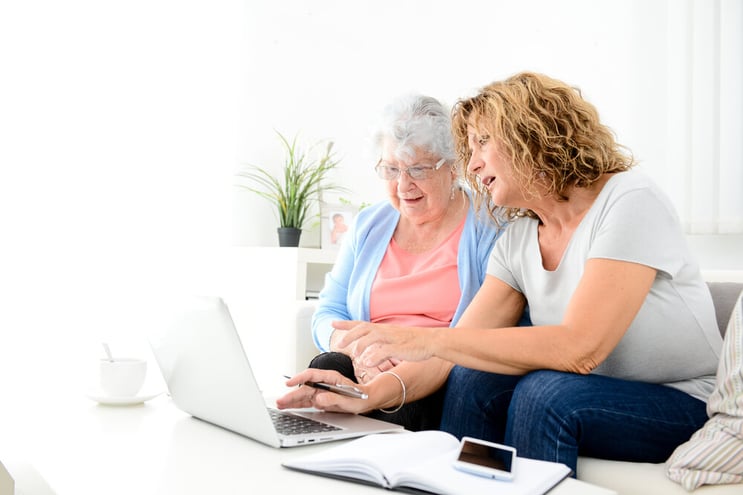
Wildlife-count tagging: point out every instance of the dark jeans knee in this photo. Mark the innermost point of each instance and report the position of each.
(476, 403)
(541, 393)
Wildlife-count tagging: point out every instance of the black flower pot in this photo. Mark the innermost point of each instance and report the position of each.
(289, 236)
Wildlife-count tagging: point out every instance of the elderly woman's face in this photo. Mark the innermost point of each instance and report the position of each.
(419, 200)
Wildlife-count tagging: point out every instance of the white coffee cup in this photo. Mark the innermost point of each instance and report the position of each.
(122, 377)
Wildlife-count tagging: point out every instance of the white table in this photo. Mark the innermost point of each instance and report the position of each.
(80, 447)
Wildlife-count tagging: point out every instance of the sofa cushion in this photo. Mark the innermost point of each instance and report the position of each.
(714, 454)
(724, 296)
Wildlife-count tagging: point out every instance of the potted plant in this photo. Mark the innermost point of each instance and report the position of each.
(303, 179)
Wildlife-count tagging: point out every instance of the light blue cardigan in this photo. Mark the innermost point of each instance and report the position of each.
(345, 295)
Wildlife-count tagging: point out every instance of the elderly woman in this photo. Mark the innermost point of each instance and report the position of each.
(416, 259)
(624, 348)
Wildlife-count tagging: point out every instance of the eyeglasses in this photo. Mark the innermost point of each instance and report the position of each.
(416, 172)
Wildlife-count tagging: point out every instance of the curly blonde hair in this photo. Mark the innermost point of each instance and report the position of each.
(546, 129)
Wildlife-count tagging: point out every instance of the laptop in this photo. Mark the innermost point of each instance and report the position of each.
(208, 375)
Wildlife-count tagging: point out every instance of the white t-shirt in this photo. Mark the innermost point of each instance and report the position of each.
(674, 338)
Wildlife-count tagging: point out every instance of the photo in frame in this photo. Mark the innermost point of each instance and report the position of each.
(336, 219)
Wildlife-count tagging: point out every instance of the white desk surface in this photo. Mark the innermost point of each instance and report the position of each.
(80, 447)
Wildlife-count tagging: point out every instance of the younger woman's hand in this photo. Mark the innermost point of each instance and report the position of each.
(370, 344)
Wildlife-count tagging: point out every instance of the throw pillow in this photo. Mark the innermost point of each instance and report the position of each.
(714, 454)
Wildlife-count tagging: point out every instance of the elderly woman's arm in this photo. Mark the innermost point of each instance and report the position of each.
(385, 391)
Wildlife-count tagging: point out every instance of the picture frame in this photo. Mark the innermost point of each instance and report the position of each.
(335, 220)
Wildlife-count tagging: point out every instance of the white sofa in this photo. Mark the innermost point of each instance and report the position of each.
(625, 478)
(634, 478)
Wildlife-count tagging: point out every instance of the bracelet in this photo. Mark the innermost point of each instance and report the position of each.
(404, 394)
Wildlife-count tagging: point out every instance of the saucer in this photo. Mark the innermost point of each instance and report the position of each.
(108, 400)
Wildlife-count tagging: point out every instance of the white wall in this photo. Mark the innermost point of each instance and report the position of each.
(121, 124)
(118, 138)
(325, 68)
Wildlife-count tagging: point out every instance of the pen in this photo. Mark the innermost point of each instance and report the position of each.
(347, 390)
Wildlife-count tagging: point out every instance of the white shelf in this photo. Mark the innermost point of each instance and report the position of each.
(300, 269)
(316, 255)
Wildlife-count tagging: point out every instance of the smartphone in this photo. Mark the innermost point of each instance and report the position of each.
(347, 390)
(488, 459)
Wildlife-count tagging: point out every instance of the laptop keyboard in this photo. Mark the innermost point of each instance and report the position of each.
(292, 424)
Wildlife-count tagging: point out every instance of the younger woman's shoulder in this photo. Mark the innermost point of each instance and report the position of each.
(633, 178)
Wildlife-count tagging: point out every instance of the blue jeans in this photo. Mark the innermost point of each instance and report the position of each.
(558, 416)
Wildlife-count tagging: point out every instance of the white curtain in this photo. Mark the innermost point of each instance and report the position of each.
(705, 113)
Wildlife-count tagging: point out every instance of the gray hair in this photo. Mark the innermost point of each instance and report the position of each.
(416, 121)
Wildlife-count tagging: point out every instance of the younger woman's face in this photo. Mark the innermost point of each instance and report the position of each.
(494, 169)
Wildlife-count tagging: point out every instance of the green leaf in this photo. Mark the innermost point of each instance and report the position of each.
(300, 184)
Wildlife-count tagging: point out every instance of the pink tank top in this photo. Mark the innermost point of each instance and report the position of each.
(417, 289)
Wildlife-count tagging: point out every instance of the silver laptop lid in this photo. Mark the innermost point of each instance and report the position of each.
(207, 372)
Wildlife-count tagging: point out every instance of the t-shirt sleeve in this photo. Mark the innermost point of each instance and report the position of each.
(501, 262)
(640, 226)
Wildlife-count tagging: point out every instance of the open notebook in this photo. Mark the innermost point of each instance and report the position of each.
(423, 462)
(208, 376)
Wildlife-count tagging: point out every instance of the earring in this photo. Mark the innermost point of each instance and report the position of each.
(453, 190)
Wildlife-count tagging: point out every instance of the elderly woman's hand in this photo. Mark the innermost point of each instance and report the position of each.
(305, 396)
(372, 344)
(364, 374)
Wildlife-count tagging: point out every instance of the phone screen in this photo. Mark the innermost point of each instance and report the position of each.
(487, 456)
